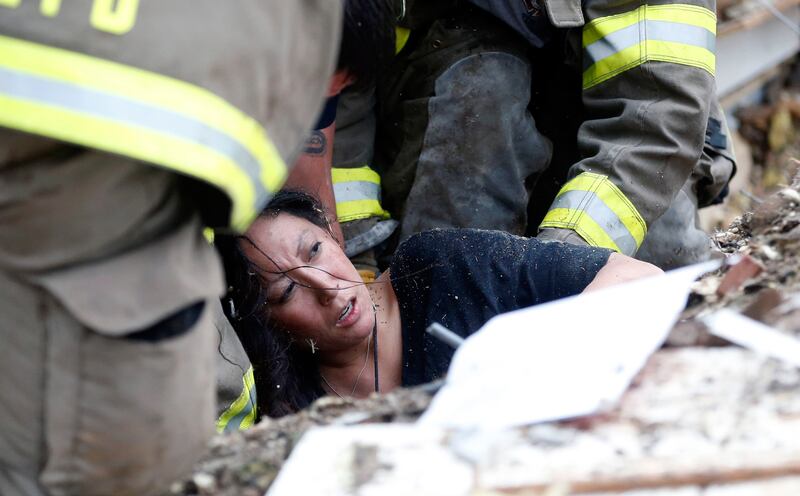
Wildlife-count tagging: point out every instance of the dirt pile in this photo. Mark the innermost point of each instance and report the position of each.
(246, 463)
(762, 277)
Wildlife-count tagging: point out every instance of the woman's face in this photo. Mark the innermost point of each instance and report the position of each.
(322, 299)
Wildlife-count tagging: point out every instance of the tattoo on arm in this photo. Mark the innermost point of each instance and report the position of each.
(316, 144)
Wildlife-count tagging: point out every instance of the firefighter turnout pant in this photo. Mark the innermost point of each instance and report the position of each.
(106, 286)
(463, 141)
(455, 142)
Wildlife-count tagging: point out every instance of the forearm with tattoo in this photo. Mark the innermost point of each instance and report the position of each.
(316, 144)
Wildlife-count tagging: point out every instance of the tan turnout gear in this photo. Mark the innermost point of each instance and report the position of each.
(184, 85)
(648, 85)
(622, 89)
(125, 127)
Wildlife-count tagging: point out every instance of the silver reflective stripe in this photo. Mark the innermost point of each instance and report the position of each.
(651, 30)
(377, 234)
(116, 108)
(356, 190)
(235, 422)
(591, 204)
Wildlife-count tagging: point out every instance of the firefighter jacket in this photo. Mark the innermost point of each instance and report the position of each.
(220, 93)
(647, 88)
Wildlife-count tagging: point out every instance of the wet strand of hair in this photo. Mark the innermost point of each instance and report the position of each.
(285, 272)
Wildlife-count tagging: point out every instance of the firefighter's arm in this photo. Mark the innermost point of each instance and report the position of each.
(312, 173)
(312, 170)
(648, 78)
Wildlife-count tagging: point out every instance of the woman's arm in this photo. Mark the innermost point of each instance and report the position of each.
(619, 269)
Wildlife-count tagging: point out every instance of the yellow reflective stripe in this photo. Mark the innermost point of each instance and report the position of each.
(598, 28)
(368, 204)
(343, 174)
(135, 142)
(585, 226)
(249, 387)
(643, 35)
(681, 13)
(136, 84)
(401, 38)
(685, 14)
(613, 198)
(593, 206)
(50, 8)
(359, 209)
(158, 91)
(243, 408)
(650, 50)
(208, 233)
(666, 51)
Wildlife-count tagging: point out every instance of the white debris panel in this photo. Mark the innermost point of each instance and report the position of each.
(694, 421)
(560, 360)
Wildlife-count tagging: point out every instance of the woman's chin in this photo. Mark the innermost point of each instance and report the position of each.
(355, 334)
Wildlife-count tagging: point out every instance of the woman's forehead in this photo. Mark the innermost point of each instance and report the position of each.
(280, 238)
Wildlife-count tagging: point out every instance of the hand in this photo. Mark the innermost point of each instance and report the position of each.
(619, 269)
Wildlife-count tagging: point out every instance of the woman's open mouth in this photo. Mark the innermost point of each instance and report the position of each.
(348, 315)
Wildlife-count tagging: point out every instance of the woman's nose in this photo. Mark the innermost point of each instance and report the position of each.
(326, 296)
(324, 285)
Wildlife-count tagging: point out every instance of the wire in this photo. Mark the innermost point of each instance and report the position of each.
(375, 349)
(286, 272)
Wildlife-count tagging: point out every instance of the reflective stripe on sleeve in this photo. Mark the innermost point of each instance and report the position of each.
(679, 33)
(599, 212)
(401, 38)
(139, 114)
(241, 415)
(358, 193)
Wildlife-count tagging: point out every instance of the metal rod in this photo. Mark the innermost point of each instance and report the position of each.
(444, 335)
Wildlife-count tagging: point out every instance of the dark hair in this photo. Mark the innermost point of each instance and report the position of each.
(286, 376)
(368, 37)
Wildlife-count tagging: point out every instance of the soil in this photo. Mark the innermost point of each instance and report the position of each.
(246, 463)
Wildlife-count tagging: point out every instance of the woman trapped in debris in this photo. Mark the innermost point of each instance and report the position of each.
(311, 327)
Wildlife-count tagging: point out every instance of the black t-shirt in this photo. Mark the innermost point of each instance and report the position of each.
(461, 278)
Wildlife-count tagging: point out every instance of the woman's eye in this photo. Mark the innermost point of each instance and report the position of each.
(287, 292)
(314, 249)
